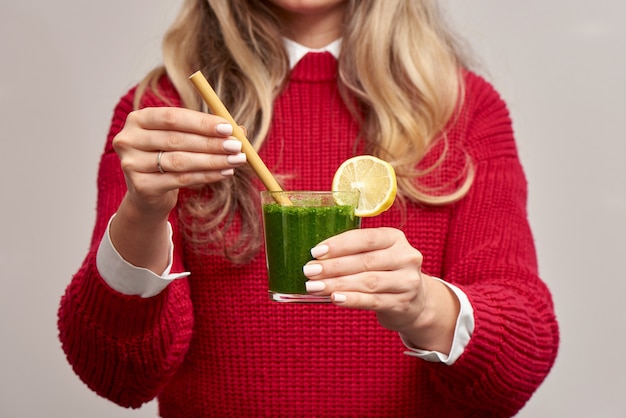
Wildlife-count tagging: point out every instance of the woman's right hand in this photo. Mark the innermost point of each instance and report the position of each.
(195, 148)
(192, 149)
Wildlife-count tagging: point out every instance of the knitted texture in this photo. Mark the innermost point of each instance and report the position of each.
(214, 345)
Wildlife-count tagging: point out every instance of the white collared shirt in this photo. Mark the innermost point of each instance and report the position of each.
(296, 51)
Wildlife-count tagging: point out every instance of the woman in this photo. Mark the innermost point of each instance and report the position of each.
(171, 300)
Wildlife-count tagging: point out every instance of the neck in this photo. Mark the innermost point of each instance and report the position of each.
(313, 29)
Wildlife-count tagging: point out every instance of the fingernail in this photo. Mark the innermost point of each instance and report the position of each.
(232, 145)
(314, 286)
(339, 298)
(229, 172)
(319, 251)
(236, 159)
(224, 129)
(312, 269)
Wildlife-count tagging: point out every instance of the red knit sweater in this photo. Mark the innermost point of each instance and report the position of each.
(214, 345)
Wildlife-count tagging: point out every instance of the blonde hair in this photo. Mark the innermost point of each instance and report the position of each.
(403, 99)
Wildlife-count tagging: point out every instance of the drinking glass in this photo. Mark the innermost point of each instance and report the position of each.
(293, 223)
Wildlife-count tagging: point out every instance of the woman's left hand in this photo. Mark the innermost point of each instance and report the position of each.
(377, 269)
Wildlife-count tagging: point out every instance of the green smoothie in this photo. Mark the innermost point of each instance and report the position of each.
(291, 232)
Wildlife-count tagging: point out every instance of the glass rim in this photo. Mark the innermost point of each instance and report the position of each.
(303, 198)
(312, 192)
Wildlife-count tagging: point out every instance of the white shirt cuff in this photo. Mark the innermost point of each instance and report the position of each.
(128, 279)
(462, 333)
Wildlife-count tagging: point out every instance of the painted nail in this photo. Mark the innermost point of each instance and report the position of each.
(314, 286)
(229, 172)
(312, 269)
(339, 298)
(224, 129)
(231, 145)
(236, 159)
(319, 251)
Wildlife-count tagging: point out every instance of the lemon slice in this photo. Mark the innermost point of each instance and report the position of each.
(374, 178)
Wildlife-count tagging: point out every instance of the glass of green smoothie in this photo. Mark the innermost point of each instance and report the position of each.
(294, 222)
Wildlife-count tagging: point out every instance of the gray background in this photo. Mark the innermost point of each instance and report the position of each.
(559, 64)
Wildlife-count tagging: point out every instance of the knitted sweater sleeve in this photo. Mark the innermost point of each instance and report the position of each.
(125, 348)
(491, 257)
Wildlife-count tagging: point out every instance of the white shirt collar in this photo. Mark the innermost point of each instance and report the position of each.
(296, 51)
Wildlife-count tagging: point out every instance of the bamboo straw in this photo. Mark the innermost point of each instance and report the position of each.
(217, 107)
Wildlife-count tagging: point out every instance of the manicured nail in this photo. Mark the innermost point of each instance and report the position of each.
(231, 145)
(229, 172)
(312, 269)
(319, 251)
(236, 159)
(224, 129)
(339, 298)
(314, 286)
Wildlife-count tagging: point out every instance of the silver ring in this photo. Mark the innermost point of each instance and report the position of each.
(159, 163)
